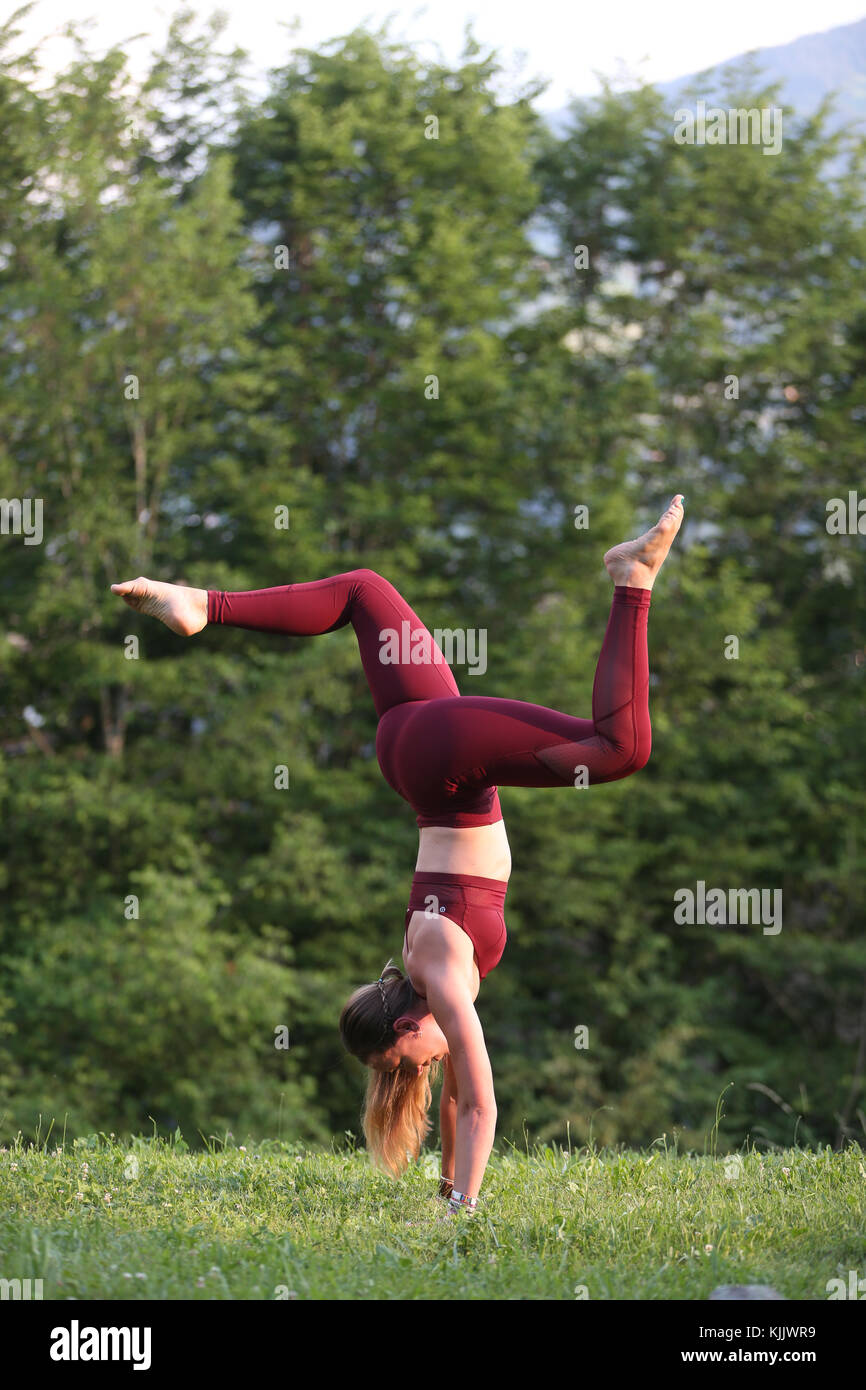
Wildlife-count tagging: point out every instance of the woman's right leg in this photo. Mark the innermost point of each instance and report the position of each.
(400, 658)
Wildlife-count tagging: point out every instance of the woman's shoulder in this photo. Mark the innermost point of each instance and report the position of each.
(433, 941)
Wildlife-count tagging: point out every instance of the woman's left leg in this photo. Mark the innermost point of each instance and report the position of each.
(462, 746)
(479, 740)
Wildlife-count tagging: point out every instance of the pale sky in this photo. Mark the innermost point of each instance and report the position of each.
(566, 41)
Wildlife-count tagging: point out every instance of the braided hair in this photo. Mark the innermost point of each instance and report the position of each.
(389, 1019)
(368, 1017)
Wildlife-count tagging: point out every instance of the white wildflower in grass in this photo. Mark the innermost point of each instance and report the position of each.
(708, 1249)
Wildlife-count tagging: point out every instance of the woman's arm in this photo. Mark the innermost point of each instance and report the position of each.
(448, 1118)
(475, 1123)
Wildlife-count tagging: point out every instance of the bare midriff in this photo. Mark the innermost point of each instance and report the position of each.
(482, 851)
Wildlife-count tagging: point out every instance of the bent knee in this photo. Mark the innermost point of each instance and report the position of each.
(628, 760)
(367, 576)
(640, 757)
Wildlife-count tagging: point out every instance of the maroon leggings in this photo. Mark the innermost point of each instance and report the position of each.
(444, 752)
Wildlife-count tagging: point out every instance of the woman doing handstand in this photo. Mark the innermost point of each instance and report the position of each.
(446, 753)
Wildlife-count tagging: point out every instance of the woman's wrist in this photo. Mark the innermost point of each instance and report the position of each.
(461, 1201)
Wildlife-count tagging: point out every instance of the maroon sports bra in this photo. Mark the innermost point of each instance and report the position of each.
(475, 904)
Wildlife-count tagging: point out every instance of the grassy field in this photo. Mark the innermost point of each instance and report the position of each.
(151, 1220)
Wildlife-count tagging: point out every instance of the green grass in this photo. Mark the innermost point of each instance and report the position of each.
(230, 1223)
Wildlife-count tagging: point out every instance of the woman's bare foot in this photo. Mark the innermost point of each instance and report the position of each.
(636, 563)
(183, 610)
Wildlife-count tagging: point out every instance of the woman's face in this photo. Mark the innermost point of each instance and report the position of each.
(416, 1046)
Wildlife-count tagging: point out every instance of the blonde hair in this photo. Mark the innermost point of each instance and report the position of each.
(395, 1115)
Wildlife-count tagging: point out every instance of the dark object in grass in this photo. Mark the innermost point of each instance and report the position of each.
(745, 1291)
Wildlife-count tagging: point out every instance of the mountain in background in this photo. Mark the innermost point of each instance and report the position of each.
(810, 68)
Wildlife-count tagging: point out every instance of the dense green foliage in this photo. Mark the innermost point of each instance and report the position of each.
(96, 1219)
(214, 307)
